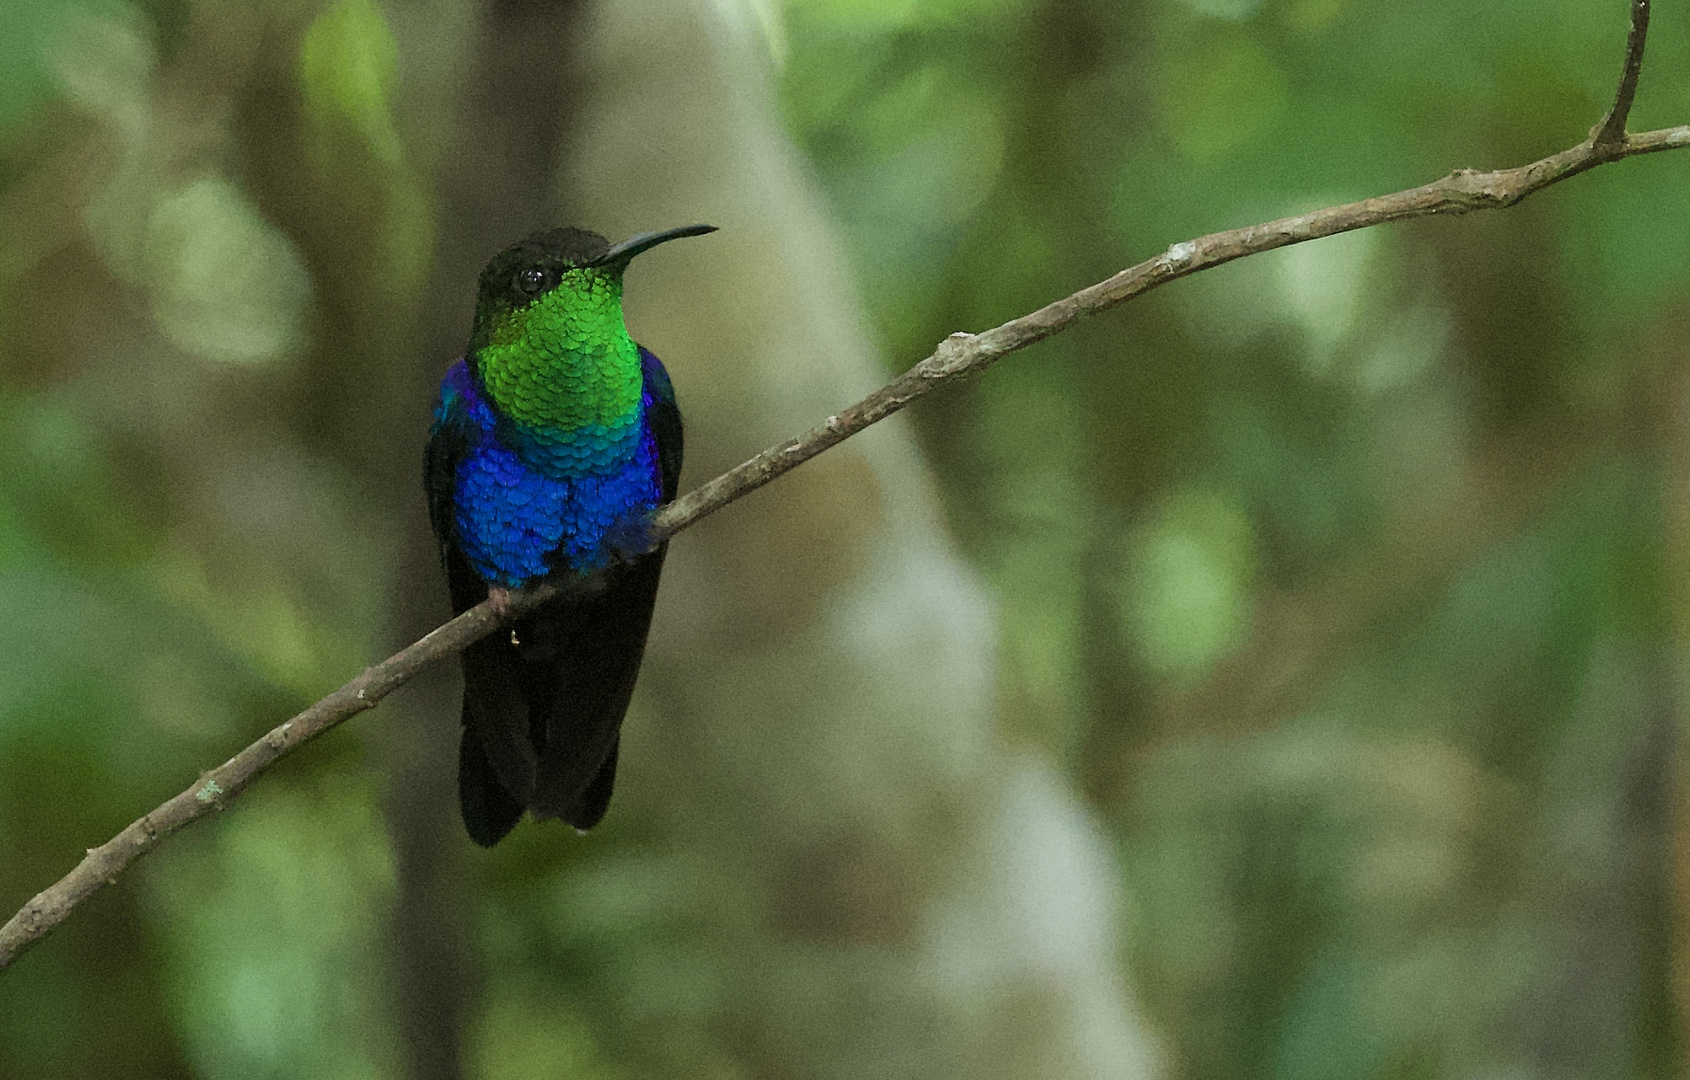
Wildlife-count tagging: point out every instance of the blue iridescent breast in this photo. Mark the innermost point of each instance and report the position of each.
(526, 504)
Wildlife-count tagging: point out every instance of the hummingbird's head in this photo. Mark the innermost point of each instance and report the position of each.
(567, 278)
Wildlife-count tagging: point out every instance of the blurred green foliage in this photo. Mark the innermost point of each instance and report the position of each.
(1336, 576)
(1340, 580)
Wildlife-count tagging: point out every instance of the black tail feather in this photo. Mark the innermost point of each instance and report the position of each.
(490, 812)
(589, 682)
(594, 801)
(543, 707)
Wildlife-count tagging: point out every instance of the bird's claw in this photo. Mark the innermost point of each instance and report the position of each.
(503, 601)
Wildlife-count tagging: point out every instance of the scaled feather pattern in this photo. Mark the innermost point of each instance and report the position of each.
(526, 505)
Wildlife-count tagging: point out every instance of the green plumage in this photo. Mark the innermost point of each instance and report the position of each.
(565, 362)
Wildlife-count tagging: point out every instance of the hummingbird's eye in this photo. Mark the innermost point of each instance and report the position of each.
(531, 281)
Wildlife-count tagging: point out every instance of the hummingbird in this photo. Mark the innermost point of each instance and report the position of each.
(555, 440)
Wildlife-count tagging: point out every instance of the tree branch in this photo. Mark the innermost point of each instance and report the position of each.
(957, 357)
(963, 355)
(1611, 132)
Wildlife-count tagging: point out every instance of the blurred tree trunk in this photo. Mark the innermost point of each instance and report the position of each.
(896, 894)
(1676, 551)
(496, 182)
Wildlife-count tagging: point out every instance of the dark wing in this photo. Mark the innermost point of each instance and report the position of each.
(449, 441)
(582, 655)
(497, 757)
(665, 419)
(593, 644)
(492, 763)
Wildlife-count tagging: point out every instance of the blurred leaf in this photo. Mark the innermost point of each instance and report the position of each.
(523, 1037)
(274, 920)
(1234, 10)
(1217, 87)
(225, 284)
(347, 64)
(32, 36)
(1187, 595)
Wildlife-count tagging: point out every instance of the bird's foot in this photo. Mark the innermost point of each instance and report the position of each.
(503, 601)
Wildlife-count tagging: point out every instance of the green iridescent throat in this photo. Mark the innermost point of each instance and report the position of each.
(565, 362)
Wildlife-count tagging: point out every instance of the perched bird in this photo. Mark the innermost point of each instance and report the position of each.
(555, 439)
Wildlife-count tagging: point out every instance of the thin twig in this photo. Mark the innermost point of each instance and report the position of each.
(1611, 133)
(957, 357)
(968, 354)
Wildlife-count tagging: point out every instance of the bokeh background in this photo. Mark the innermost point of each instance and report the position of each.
(1280, 677)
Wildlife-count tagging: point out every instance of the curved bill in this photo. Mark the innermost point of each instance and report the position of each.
(645, 241)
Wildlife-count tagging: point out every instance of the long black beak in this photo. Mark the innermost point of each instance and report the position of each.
(645, 241)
